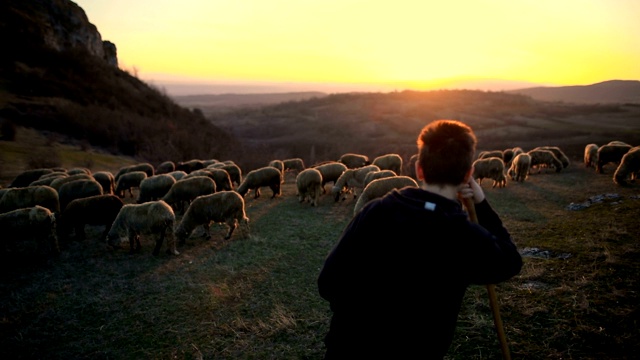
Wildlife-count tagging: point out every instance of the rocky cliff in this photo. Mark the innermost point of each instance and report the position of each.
(56, 24)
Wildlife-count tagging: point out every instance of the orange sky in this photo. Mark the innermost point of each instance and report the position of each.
(377, 45)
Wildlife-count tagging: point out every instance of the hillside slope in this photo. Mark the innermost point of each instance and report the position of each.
(613, 91)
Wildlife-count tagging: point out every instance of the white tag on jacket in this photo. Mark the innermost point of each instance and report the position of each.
(429, 206)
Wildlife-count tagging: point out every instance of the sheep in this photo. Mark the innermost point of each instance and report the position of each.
(629, 167)
(391, 162)
(152, 218)
(208, 162)
(519, 169)
(558, 153)
(178, 174)
(146, 167)
(185, 190)
(379, 187)
(189, 166)
(264, 176)
(353, 161)
(491, 168)
(128, 181)
(491, 153)
(295, 164)
(30, 196)
(278, 164)
(107, 180)
(546, 158)
(78, 189)
(47, 180)
(221, 178)
(234, 172)
(372, 175)
(98, 210)
(24, 226)
(610, 153)
(330, 171)
(54, 174)
(79, 170)
(412, 166)
(57, 183)
(351, 180)
(165, 167)
(28, 176)
(507, 157)
(154, 187)
(220, 207)
(309, 185)
(590, 155)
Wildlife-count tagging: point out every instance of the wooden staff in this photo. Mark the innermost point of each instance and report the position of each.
(491, 289)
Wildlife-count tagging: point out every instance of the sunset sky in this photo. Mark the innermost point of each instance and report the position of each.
(346, 45)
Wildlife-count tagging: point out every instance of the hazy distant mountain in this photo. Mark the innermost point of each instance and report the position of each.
(210, 100)
(613, 91)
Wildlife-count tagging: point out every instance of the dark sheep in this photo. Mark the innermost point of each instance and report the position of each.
(610, 153)
(28, 176)
(107, 180)
(78, 189)
(99, 210)
(629, 167)
(353, 161)
(28, 231)
(29, 196)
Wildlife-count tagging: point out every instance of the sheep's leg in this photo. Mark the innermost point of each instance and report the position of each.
(256, 193)
(159, 240)
(207, 234)
(232, 226)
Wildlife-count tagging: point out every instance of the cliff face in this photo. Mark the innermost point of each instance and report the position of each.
(60, 25)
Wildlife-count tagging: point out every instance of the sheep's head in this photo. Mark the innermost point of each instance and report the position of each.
(114, 239)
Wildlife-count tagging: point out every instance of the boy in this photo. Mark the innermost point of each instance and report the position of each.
(396, 279)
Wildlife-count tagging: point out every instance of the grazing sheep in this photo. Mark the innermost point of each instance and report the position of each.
(128, 181)
(208, 162)
(491, 153)
(234, 172)
(185, 190)
(491, 168)
(155, 187)
(544, 158)
(29, 196)
(629, 167)
(221, 207)
(145, 167)
(98, 210)
(519, 169)
(618, 142)
(178, 174)
(558, 153)
(47, 180)
(78, 189)
(330, 171)
(165, 167)
(295, 164)
(379, 187)
(58, 182)
(28, 176)
(107, 180)
(24, 227)
(412, 166)
(150, 218)
(309, 185)
(79, 170)
(610, 153)
(278, 164)
(53, 174)
(351, 180)
(507, 156)
(391, 162)
(264, 176)
(221, 178)
(590, 155)
(189, 166)
(377, 175)
(353, 161)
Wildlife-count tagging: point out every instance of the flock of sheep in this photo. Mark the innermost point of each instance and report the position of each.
(46, 206)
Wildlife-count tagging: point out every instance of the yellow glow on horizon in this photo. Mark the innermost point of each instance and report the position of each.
(567, 42)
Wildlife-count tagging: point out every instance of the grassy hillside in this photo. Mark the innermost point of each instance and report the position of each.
(255, 297)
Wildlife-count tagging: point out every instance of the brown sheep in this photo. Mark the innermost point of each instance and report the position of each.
(558, 153)
(28, 176)
(353, 161)
(610, 153)
(544, 158)
(145, 167)
(351, 180)
(295, 164)
(264, 176)
(590, 155)
(309, 185)
(629, 167)
(190, 165)
(519, 169)
(491, 168)
(129, 181)
(185, 190)
(391, 162)
(78, 189)
(491, 153)
(330, 171)
(379, 187)
(107, 180)
(165, 167)
(29, 196)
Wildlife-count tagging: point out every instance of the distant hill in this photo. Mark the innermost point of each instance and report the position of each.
(233, 100)
(607, 92)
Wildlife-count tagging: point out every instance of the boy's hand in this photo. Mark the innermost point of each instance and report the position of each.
(471, 190)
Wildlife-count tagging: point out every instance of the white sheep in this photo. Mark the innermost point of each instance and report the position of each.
(14, 198)
(372, 175)
(295, 164)
(629, 167)
(107, 180)
(379, 187)
(558, 153)
(490, 168)
(28, 225)
(146, 167)
(330, 171)
(78, 189)
(220, 207)
(309, 185)
(391, 162)
(151, 218)
(155, 187)
(129, 181)
(353, 161)
(610, 153)
(99, 210)
(351, 180)
(519, 169)
(185, 190)
(544, 158)
(591, 155)
(262, 177)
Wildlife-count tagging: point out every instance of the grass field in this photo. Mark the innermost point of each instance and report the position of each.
(255, 297)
